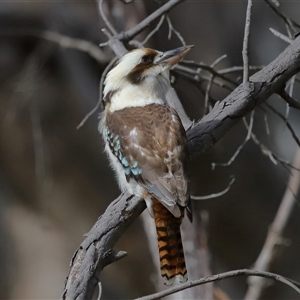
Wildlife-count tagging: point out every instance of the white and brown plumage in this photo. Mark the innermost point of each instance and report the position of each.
(147, 146)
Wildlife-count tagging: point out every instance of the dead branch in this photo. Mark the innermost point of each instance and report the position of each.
(244, 99)
(96, 252)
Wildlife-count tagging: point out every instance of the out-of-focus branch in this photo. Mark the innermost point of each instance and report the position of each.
(104, 18)
(63, 41)
(288, 125)
(273, 239)
(290, 100)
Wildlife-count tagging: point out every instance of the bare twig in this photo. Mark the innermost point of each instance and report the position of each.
(288, 125)
(290, 86)
(275, 232)
(266, 151)
(98, 105)
(207, 68)
(153, 31)
(177, 33)
(281, 36)
(242, 272)
(131, 33)
(215, 195)
(232, 159)
(290, 100)
(238, 69)
(246, 43)
(104, 18)
(289, 22)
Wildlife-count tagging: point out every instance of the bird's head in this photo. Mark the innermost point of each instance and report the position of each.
(143, 66)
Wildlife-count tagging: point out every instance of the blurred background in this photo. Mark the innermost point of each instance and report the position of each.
(55, 180)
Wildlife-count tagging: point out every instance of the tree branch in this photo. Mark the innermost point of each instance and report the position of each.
(275, 232)
(96, 251)
(244, 99)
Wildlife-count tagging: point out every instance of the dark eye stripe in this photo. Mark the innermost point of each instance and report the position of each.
(147, 59)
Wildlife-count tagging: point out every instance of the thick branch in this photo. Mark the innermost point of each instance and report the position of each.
(244, 99)
(96, 251)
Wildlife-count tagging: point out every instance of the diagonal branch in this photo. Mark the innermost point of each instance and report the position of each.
(96, 252)
(244, 99)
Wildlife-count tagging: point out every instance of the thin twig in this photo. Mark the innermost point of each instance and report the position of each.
(291, 89)
(207, 94)
(208, 68)
(185, 73)
(289, 22)
(131, 33)
(221, 276)
(215, 195)
(246, 43)
(218, 60)
(290, 100)
(231, 160)
(281, 36)
(288, 125)
(275, 159)
(275, 232)
(105, 20)
(98, 105)
(177, 33)
(153, 31)
(238, 69)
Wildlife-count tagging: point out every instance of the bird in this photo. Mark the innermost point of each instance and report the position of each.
(147, 146)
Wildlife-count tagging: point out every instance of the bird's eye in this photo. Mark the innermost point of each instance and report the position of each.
(146, 60)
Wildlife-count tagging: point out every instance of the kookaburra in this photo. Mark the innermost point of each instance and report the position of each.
(147, 147)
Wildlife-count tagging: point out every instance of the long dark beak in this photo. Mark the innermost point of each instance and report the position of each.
(174, 56)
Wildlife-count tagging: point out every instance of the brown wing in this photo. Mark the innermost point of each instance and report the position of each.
(150, 142)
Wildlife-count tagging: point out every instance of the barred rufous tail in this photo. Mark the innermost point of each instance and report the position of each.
(172, 261)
